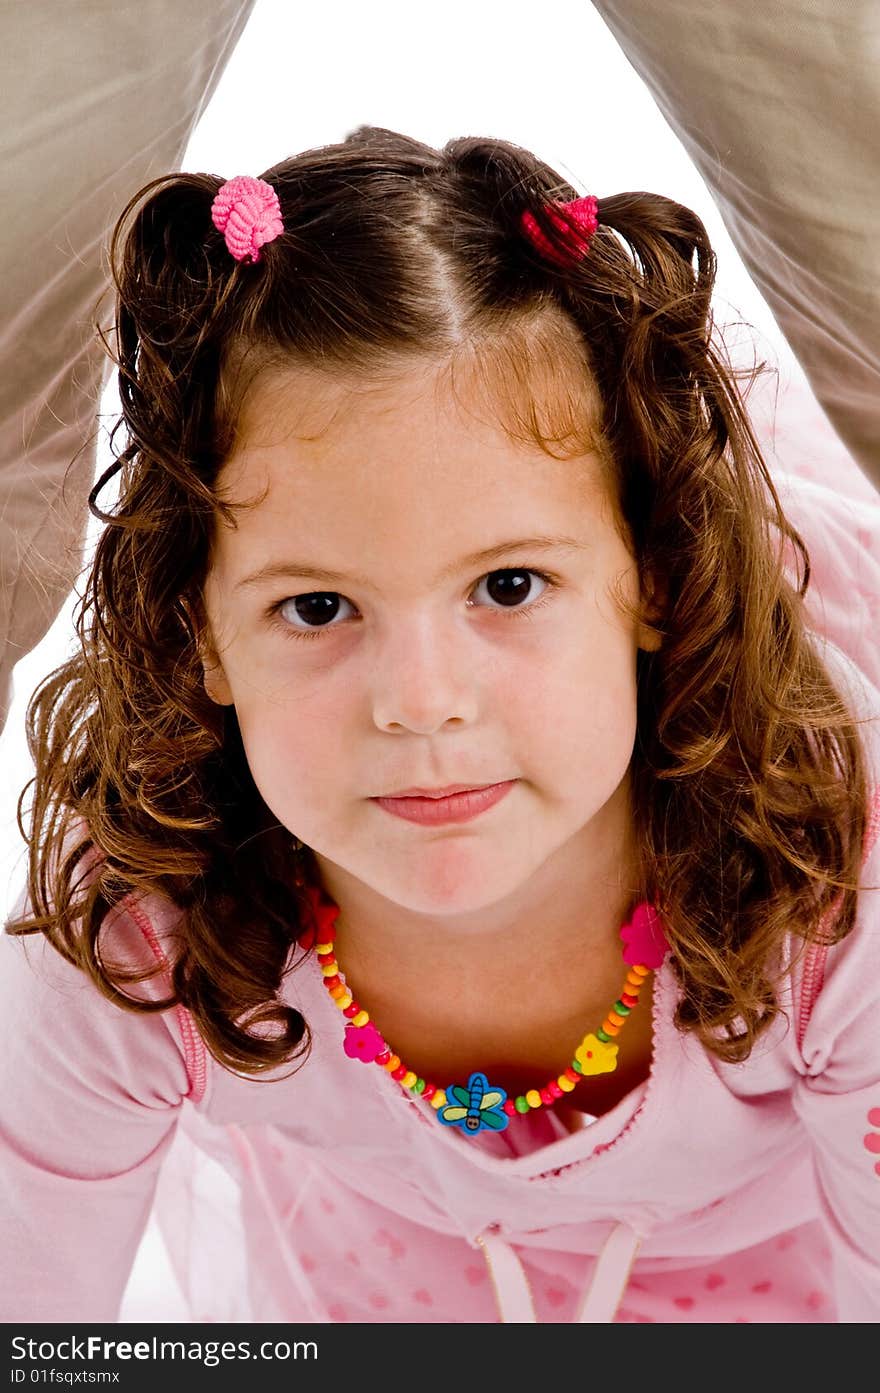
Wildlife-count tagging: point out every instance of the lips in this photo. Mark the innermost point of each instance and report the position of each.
(455, 807)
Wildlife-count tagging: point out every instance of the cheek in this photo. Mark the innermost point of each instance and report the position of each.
(298, 740)
(281, 683)
(578, 715)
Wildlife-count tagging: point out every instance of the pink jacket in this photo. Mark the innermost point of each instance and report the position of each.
(710, 1192)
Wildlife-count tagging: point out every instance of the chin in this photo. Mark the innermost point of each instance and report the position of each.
(453, 883)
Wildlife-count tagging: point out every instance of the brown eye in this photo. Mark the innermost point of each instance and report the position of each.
(510, 587)
(316, 610)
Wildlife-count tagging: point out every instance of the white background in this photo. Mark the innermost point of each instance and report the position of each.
(306, 75)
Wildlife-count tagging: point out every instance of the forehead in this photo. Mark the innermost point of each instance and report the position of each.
(398, 478)
(489, 425)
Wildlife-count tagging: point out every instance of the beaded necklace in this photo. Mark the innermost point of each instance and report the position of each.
(479, 1104)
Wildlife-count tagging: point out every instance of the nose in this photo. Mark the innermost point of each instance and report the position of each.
(425, 677)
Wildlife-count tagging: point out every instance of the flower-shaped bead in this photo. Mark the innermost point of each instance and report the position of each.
(643, 939)
(595, 1056)
(363, 1042)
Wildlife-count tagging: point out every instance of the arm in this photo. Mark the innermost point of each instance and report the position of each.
(90, 1099)
(838, 1096)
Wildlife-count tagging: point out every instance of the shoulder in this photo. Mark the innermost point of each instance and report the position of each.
(840, 984)
(53, 1008)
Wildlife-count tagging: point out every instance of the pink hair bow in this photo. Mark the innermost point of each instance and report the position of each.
(247, 212)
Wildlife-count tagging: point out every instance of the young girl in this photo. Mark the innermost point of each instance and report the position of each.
(450, 892)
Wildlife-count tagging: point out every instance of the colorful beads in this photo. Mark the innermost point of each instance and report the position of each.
(595, 1054)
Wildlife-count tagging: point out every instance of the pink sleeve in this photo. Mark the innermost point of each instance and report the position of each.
(89, 1099)
(838, 1099)
(838, 1102)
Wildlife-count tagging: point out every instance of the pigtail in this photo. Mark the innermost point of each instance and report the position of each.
(177, 288)
(648, 278)
(173, 286)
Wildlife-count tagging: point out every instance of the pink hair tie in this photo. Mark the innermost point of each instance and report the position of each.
(247, 212)
(585, 214)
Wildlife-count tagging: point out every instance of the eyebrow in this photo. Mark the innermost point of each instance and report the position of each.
(280, 569)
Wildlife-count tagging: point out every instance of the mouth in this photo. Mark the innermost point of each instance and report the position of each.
(439, 792)
(436, 807)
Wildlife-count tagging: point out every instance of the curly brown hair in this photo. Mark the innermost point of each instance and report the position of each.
(747, 758)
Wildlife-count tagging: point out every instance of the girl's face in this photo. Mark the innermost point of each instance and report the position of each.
(416, 601)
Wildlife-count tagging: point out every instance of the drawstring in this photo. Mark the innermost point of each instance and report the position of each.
(610, 1276)
(513, 1295)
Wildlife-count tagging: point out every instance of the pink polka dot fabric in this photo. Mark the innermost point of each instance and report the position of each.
(403, 1273)
(361, 1263)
